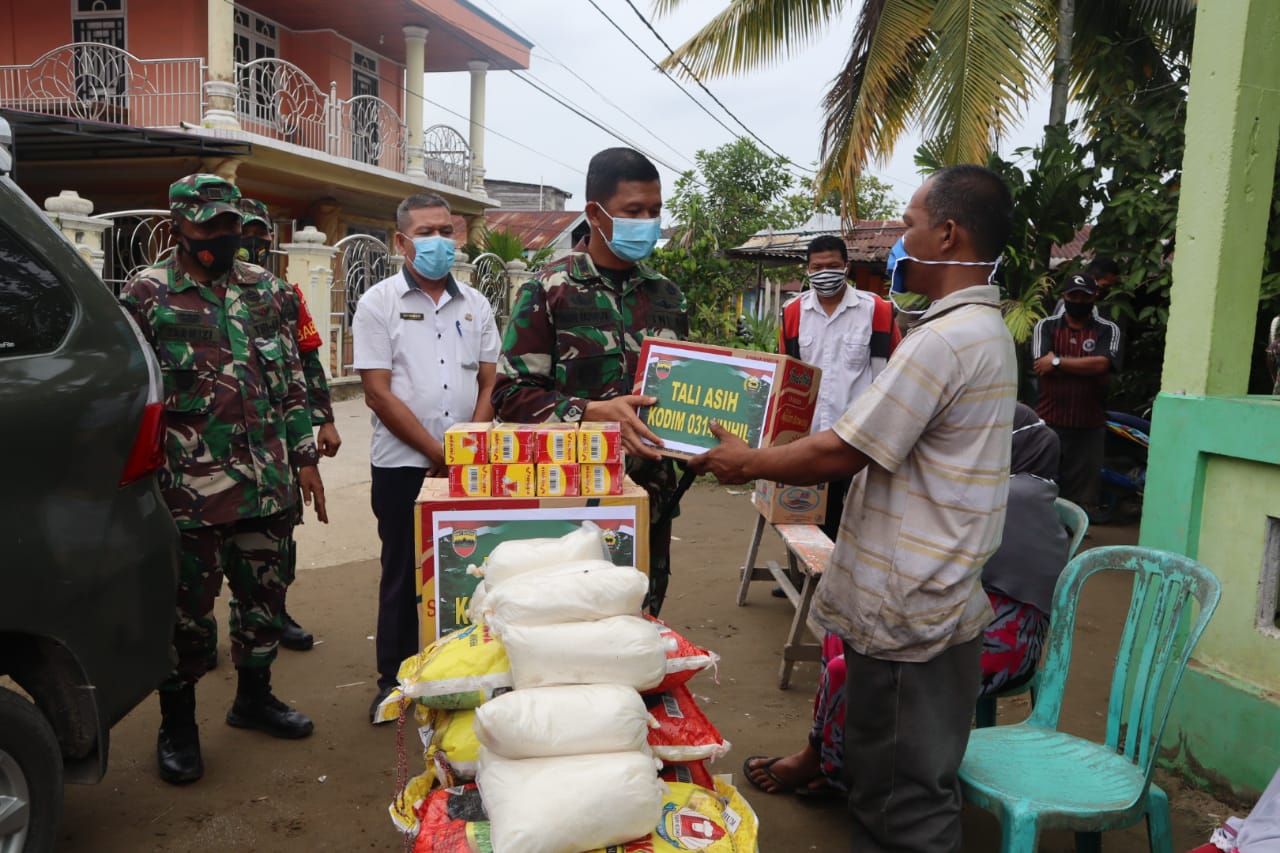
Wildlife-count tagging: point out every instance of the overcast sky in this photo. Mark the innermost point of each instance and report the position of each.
(781, 103)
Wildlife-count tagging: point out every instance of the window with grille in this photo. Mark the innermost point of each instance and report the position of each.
(365, 133)
(101, 75)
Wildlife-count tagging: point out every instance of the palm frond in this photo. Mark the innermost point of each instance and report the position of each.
(749, 34)
(1022, 314)
(979, 73)
(873, 99)
(1117, 41)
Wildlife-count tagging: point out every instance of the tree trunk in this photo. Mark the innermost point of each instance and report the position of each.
(1062, 63)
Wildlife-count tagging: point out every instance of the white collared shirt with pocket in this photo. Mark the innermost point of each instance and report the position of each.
(434, 352)
(840, 344)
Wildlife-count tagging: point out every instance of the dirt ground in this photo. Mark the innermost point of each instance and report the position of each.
(330, 792)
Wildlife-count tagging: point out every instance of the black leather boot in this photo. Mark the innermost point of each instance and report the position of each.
(257, 708)
(294, 636)
(178, 746)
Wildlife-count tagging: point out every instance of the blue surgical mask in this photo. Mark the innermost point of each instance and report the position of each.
(633, 239)
(433, 256)
(897, 270)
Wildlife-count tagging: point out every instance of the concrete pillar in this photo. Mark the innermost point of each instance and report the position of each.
(224, 167)
(475, 228)
(415, 45)
(1233, 124)
(70, 213)
(517, 274)
(220, 80)
(478, 70)
(463, 270)
(309, 264)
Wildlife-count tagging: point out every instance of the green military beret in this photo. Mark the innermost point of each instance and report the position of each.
(252, 210)
(201, 197)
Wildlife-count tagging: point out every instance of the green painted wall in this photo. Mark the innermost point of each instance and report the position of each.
(1239, 495)
(1212, 472)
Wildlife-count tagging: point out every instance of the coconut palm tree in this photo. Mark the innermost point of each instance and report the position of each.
(961, 70)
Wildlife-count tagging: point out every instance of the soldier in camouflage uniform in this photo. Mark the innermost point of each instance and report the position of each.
(237, 430)
(571, 349)
(256, 237)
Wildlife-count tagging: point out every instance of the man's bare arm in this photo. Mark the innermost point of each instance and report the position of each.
(817, 458)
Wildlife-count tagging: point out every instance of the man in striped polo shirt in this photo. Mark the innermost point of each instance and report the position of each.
(1075, 352)
(903, 590)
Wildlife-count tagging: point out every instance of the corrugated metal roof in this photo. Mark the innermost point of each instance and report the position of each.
(535, 228)
(869, 240)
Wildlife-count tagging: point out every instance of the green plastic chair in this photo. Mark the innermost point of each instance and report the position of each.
(1033, 777)
(1076, 521)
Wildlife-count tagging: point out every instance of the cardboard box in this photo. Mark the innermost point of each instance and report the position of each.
(511, 444)
(466, 444)
(555, 443)
(764, 399)
(557, 481)
(783, 504)
(604, 478)
(599, 441)
(469, 481)
(513, 481)
(452, 534)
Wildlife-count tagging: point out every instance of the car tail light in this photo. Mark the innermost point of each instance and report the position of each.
(147, 455)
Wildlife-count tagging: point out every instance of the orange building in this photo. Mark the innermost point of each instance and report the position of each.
(315, 107)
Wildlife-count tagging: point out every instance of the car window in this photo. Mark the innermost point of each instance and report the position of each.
(36, 308)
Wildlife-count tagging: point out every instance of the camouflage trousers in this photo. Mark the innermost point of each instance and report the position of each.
(255, 555)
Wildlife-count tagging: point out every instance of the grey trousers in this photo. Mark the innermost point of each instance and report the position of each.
(906, 727)
(1080, 468)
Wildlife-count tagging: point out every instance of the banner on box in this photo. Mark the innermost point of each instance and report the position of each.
(694, 388)
(463, 539)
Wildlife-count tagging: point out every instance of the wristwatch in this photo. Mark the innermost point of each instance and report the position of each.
(1057, 362)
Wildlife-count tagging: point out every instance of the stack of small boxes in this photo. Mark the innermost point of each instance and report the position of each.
(534, 460)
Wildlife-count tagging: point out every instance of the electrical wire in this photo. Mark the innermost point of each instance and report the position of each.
(711, 94)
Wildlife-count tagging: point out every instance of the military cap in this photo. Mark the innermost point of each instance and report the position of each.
(201, 197)
(252, 210)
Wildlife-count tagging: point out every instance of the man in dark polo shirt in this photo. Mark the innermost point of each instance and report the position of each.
(1075, 353)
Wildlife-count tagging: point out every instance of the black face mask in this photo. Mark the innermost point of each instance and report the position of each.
(255, 250)
(1079, 310)
(215, 254)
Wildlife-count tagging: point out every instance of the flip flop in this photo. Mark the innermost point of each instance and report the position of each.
(747, 770)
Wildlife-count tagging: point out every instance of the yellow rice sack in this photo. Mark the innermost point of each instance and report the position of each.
(462, 669)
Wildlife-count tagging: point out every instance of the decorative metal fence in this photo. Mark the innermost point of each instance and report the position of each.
(100, 82)
(362, 261)
(490, 278)
(136, 240)
(446, 156)
(369, 130)
(277, 99)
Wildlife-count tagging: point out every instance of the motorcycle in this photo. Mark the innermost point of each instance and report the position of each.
(1124, 468)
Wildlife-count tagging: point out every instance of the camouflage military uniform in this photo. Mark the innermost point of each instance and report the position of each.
(237, 427)
(575, 336)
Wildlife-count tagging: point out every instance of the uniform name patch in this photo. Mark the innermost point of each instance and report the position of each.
(187, 332)
(585, 317)
(404, 316)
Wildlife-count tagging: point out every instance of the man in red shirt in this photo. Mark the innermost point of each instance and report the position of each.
(1075, 353)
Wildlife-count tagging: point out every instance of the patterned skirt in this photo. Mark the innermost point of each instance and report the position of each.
(1011, 650)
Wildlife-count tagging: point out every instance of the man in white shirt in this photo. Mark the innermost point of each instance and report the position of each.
(426, 348)
(849, 333)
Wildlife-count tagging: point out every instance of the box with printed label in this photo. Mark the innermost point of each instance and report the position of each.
(762, 398)
(466, 444)
(780, 503)
(454, 535)
(599, 441)
(511, 443)
(513, 481)
(469, 481)
(603, 478)
(557, 481)
(556, 443)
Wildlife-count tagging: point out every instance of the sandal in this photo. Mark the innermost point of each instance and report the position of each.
(817, 793)
(765, 768)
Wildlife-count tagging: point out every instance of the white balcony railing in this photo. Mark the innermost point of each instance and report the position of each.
(274, 98)
(98, 82)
